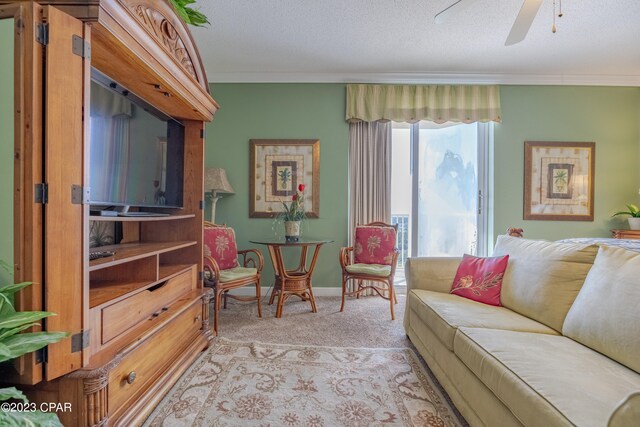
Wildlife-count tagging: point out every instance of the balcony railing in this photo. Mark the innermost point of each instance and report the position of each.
(402, 237)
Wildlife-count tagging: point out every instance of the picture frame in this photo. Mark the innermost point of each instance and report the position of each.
(559, 181)
(277, 167)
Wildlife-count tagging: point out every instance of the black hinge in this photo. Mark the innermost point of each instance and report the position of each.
(201, 275)
(41, 193)
(202, 133)
(80, 47)
(79, 341)
(201, 204)
(42, 34)
(42, 355)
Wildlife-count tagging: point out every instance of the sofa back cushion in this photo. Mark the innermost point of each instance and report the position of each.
(543, 278)
(605, 315)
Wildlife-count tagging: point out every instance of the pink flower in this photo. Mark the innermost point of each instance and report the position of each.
(301, 187)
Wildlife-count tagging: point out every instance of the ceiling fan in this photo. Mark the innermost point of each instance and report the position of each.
(520, 27)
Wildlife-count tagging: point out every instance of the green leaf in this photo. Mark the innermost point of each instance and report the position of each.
(22, 317)
(6, 267)
(12, 393)
(14, 331)
(633, 209)
(11, 289)
(29, 419)
(622, 213)
(31, 341)
(5, 352)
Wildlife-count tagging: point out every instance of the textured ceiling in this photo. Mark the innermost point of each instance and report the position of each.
(597, 42)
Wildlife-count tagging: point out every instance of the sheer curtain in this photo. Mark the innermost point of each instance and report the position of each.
(369, 174)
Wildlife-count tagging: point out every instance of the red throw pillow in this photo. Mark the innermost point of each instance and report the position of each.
(220, 244)
(480, 279)
(374, 245)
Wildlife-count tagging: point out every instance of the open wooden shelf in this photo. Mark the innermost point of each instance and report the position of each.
(139, 218)
(112, 291)
(131, 251)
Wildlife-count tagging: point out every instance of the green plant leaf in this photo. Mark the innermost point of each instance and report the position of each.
(6, 267)
(31, 341)
(11, 289)
(622, 213)
(5, 352)
(29, 419)
(4, 333)
(22, 317)
(12, 393)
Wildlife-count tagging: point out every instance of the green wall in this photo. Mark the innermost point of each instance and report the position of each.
(283, 111)
(607, 115)
(6, 145)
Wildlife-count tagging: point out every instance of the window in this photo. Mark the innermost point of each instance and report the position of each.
(439, 188)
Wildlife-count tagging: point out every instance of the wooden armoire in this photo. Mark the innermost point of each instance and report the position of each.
(139, 318)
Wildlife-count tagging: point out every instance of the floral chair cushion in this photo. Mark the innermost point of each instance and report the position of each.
(374, 245)
(220, 244)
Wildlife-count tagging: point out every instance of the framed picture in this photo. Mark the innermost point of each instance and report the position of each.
(558, 180)
(277, 167)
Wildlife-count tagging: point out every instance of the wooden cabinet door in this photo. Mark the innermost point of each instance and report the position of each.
(63, 168)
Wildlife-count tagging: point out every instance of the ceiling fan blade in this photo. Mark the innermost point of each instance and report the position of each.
(452, 10)
(523, 22)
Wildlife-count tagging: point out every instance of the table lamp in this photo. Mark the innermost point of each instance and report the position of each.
(216, 182)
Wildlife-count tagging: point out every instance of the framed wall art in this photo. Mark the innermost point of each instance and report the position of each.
(559, 180)
(277, 167)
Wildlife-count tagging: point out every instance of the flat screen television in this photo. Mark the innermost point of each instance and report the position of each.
(136, 153)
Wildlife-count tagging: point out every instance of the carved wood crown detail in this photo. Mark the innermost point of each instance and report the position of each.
(166, 33)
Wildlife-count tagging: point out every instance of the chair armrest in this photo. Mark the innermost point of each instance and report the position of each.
(431, 274)
(252, 257)
(345, 256)
(215, 273)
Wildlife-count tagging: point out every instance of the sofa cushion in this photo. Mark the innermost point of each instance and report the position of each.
(480, 279)
(237, 273)
(546, 380)
(444, 313)
(220, 244)
(605, 315)
(543, 278)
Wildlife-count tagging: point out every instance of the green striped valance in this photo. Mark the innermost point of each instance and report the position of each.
(412, 103)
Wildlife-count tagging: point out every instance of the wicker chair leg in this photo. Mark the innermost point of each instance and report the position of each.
(344, 290)
(258, 297)
(392, 294)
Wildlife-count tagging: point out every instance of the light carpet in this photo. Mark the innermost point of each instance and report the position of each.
(355, 368)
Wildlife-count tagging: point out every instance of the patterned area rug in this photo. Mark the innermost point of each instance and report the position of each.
(254, 384)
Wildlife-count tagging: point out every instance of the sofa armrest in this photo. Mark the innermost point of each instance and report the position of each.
(431, 274)
(627, 413)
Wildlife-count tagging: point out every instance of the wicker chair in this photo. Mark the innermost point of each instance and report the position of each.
(223, 272)
(373, 258)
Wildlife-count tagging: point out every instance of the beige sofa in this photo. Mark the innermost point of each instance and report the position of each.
(563, 350)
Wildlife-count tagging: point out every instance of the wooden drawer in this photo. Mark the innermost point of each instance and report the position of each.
(141, 366)
(119, 317)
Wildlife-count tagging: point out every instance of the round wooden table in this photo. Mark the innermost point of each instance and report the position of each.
(296, 281)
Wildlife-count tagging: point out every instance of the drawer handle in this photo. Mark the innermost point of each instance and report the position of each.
(197, 318)
(131, 377)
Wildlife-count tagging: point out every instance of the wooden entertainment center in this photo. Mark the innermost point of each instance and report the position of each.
(139, 318)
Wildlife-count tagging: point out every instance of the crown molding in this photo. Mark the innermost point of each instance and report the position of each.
(429, 78)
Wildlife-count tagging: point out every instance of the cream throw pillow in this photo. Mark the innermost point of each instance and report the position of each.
(543, 278)
(606, 313)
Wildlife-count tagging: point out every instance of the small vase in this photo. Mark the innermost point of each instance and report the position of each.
(292, 231)
(634, 223)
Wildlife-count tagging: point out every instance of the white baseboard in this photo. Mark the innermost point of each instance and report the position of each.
(317, 291)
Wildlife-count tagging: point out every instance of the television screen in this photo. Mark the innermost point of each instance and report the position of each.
(136, 153)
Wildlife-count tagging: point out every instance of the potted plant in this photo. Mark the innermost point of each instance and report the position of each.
(14, 344)
(634, 216)
(293, 214)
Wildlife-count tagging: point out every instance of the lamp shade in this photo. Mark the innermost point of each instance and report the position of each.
(216, 181)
